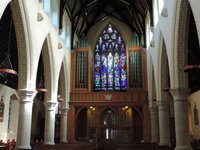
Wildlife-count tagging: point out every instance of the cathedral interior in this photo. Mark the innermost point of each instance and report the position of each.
(99, 74)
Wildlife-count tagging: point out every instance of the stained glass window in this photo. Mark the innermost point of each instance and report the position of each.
(110, 61)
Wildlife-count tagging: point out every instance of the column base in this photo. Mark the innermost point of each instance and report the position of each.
(165, 144)
(183, 148)
(23, 147)
(63, 142)
(154, 141)
(49, 143)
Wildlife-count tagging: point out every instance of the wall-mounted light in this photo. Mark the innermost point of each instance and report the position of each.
(92, 108)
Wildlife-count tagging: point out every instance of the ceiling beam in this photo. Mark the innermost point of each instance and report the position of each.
(98, 12)
(127, 21)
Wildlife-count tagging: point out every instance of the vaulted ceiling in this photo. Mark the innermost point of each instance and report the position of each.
(85, 13)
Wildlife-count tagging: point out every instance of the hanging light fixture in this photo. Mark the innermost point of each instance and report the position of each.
(40, 87)
(6, 68)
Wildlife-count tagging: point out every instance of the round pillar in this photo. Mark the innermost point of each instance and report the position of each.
(164, 127)
(181, 118)
(154, 124)
(63, 130)
(49, 122)
(24, 118)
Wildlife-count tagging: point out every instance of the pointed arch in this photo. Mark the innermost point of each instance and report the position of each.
(81, 123)
(65, 78)
(193, 53)
(151, 81)
(124, 30)
(23, 44)
(164, 69)
(48, 69)
(180, 45)
(62, 86)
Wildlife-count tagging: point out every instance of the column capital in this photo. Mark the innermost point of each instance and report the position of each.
(153, 110)
(65, 110)
(26, 95)
(50, 105)
(180, 94)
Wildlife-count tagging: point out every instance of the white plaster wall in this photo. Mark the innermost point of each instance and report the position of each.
(6, 92)
(3, 4)
(12, 132)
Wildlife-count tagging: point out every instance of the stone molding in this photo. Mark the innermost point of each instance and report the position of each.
(64, 110)
(50, 105)
(164, 12)
(18, 14)
(153, 110)
(180, 94)
(39, 17)
(26, 95)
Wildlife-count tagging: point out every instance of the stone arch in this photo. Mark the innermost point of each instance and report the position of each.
(65, 84)
(180, 45)
(23, 44)
(80, 122)
(62, 87)
(48, 69)
(151, 82)
(195, 11)
(193, 53)
(14, 97)
(164, 71)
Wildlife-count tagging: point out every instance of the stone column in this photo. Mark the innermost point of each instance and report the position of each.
(154, 124)
(49, 122)
(63, 126)
(164, 126)
(25, 117)
(181, 118)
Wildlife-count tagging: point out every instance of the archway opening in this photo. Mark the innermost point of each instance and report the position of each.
(81, 125)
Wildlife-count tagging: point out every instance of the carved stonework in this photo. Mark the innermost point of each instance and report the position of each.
(23, 47)
(2, 106)
(50, 105)
(39, 17)
(153, 110)
(64, 111)
(164, 12)
(108, 97)
(180, 94)
(26, 96)
(152, 43)
(164, 71)
(182, 9)
(153, 85)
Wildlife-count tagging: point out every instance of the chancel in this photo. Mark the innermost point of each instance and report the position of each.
(99, 74)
